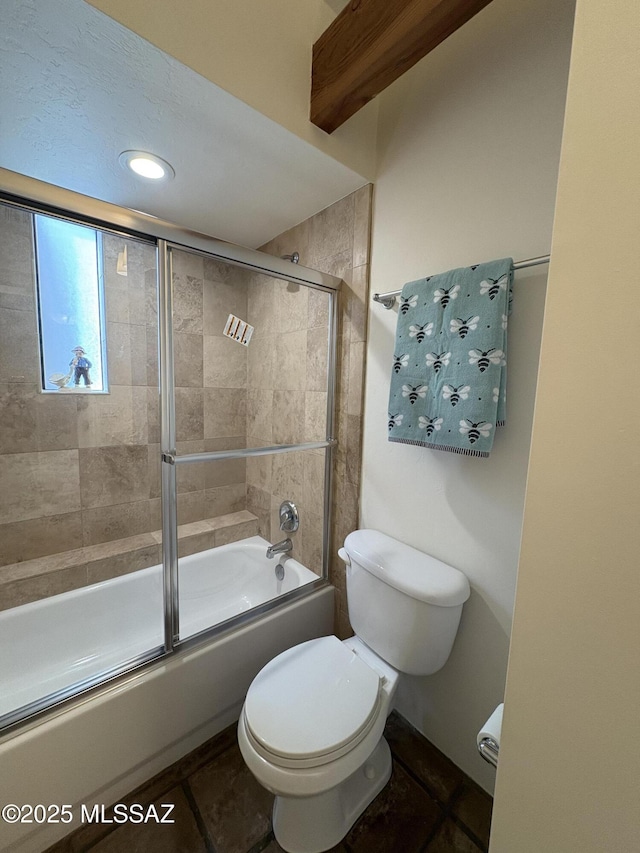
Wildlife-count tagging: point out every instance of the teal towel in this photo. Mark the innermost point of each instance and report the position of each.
(449, 376)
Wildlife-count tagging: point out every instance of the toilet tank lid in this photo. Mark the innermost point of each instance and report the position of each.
(411, 571)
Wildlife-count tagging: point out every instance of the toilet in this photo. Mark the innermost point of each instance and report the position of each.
(311, 726)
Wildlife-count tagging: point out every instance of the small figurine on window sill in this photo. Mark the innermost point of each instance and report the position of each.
(80, 366)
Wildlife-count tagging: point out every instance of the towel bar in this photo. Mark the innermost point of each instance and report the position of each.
(389, 299)
(489, 750)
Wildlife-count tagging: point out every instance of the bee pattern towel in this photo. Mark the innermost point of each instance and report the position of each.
(448, 377)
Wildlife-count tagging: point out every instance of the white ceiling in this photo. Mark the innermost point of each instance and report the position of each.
(77, 88)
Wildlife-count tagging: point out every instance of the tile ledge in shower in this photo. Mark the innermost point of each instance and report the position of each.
(31, 580)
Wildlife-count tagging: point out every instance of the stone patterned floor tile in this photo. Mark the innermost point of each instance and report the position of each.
(473, 809)
(235, 809)
(451, 839)
(274, 847)
(183, 836)
(399, 820)
(432, 768)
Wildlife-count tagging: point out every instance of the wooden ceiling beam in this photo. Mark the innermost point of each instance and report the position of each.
(370, 44)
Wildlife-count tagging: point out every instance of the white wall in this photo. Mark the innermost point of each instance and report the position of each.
(469, 146)
(259, 52)
(570, 751)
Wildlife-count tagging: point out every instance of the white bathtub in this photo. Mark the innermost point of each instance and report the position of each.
(51, 644)
(98, 749)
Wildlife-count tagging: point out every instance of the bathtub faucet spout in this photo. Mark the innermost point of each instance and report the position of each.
(279, 548)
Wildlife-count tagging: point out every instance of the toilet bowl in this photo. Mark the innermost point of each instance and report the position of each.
(311, 728)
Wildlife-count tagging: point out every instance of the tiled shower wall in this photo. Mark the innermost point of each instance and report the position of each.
(336, 241)
(80, 497)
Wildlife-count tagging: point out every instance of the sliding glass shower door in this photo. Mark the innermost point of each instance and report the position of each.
(251, 362)
(166, 426)
(80, 521)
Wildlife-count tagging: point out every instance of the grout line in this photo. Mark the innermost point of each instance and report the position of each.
(469, 833)
(259, 846)
(202, 828)
(445, 806)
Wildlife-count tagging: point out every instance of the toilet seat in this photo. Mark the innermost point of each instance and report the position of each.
(311, 704)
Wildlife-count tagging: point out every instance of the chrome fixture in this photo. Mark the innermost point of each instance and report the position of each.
(279, 572)
(279, 548)
(289, 518)
(294, 258)
(389, 299)
(489, 749)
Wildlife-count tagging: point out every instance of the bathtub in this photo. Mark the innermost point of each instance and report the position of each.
(103, 745)
(75, 637)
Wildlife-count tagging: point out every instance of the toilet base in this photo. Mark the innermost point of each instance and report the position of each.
(317, 823)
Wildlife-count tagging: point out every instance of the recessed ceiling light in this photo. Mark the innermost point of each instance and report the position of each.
(147, 165)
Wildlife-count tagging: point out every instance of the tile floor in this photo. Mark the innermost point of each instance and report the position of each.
(429, 806)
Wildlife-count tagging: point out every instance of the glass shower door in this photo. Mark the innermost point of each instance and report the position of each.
(252, 359)
(80, 580)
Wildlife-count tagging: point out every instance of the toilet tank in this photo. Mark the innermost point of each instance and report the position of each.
(404, 604)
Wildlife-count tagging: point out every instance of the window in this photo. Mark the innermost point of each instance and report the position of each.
(70, 284)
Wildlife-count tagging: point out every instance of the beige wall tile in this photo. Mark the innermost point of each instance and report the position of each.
(225, 412)
(224, 499)
(362, 200)
(114, 475)
(290, 371)
(17, 287)
(224, 297)
(338, 265)
(187, 264)
(123, 564)
(288, 476)
(138, 335)
(313, 489)
(315, 415)
(106, 523)
(224, 442)
(191, 507)
(38, 484)
(357, 359)
(236, 532)
(116, 289)
(261, 301)
(259, 504)
(355, 295)
(291, 306)
(190, 477)
(20, 592)
(38, 537)
(187, 303)
(288, 416)
(226, 472)
(151, 298)
(196, 543)
(317, 360)
(331, 231)
(152, 356)
(311, 534)
(19, 359)
(119, 417)
(259, 472)
(261, 363)
(119, 353)
(318, 313)
(225, 363)
(153, 415)
(188, 359)
(190, 408)
(260, 415)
